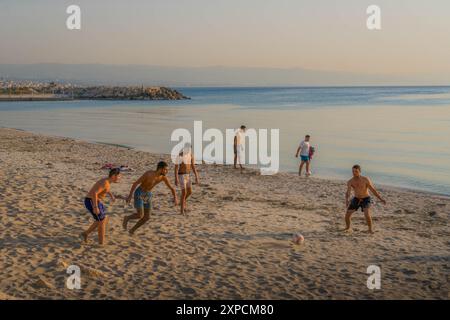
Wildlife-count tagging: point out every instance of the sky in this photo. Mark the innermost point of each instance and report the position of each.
(316, 34)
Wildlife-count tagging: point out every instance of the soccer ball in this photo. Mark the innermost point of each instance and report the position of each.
(298, 238)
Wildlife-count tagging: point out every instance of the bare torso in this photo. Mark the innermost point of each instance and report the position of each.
(185, 164)
(150, 179)
(184, 168)
(103, 186)
(360, 186)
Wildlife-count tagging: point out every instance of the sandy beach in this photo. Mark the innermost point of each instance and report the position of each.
(235, 242)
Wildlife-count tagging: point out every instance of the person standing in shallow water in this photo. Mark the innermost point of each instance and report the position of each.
(361, 186)
(93, 203)
(304, 151)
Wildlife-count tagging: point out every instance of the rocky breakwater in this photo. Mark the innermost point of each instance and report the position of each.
(127, 93)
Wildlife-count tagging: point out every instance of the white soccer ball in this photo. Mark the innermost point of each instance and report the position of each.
(298, 238)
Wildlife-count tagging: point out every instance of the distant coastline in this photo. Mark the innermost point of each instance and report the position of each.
(42, 91)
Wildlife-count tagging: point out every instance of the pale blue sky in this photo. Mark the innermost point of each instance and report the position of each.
(319, 34)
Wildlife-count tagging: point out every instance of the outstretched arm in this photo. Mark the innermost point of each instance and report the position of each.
(111, 196)
(172, 189)
(374, 191)
(134, 186)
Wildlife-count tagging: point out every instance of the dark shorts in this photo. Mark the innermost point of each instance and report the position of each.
(357, 203)
(101, 209)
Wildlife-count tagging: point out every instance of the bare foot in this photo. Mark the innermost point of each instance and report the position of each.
(125, 223)
(131, 232)
(84, 236)
(348, 230)
(370, 231)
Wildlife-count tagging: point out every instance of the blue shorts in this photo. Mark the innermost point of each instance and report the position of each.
(304, 158)
(142, 199)
(101, 209)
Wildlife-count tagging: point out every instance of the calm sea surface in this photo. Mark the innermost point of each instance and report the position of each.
(399, 135)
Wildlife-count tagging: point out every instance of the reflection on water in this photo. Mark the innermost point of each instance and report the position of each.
(403, 144)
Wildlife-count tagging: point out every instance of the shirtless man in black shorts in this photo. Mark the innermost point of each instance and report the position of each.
(361, 186)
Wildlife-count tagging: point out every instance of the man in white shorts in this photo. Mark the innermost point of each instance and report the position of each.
(239, 139)
(185, 162)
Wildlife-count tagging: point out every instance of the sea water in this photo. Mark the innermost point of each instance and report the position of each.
(399, 135)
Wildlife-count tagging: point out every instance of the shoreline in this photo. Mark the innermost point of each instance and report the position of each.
(8, 99)
(37, 98)
(322, 178)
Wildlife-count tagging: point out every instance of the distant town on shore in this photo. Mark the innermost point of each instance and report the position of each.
(41, 91)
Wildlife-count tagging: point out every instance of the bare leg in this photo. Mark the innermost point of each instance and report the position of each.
(188, 193)
(86, 233)
(144, 219)
(348, 217)
(300, 168)
(183, 201)
(307, 167)
(102, 230)
(239, 161)
(235, 159)
(368, 219)
(138, 215)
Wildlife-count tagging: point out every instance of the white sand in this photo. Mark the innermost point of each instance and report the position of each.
(235, 243)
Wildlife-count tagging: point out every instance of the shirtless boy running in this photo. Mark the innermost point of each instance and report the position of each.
(183, 166)
(142, 191)
(93, 202)
(361, 186)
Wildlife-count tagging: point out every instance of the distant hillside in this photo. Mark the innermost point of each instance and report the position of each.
(202, 76)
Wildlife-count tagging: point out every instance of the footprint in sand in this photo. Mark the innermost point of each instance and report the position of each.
(136, 256)
(188, 291)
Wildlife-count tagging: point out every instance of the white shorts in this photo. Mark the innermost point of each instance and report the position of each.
(185, 181)
(240, 152)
